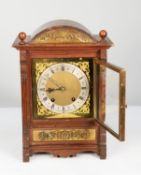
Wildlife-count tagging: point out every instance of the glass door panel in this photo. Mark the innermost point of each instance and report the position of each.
(112, 84)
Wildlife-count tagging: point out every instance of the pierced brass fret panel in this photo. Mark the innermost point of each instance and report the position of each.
(63, 35)
(64, 135)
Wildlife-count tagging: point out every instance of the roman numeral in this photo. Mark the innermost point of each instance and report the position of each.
(42, 89)
(73, 70)
(80, 78)
(52, 71)
(45, 98)
(52, 106)
(62, 68)
(63, 108)
(81, 98)
(74, 106)
(83, 88)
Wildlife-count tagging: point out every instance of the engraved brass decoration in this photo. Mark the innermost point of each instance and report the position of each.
(43, 112)
(63, 35)
(64, 135)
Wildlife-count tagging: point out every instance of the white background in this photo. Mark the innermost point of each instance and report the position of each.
(122, 20)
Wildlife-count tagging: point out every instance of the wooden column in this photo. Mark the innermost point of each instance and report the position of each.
(25, 104)
(102, 76)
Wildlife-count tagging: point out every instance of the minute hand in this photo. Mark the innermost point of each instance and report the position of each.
(54, 82)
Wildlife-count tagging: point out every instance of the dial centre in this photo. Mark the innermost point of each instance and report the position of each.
(69, 86)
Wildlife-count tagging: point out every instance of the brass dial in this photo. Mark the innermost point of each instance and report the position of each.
(60, 90)
(63, 88)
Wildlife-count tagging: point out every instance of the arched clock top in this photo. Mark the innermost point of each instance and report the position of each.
(62, 31)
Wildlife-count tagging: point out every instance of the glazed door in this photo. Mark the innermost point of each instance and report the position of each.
(111, 114)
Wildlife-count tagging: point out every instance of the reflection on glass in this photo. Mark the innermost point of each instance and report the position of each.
(112, 100)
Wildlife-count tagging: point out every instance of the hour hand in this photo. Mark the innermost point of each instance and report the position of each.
(49, 90)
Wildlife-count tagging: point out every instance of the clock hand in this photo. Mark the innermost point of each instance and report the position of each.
(54, 82)
(61, 88)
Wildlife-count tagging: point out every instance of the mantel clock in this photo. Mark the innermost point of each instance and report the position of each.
(70, 94)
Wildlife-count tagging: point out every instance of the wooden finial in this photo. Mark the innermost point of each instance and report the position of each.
(103, 34)
(22, 37)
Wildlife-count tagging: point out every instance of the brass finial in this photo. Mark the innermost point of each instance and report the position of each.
(103, 34)
(22, 37)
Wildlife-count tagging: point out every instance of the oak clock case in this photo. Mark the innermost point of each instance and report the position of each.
(65, 107)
